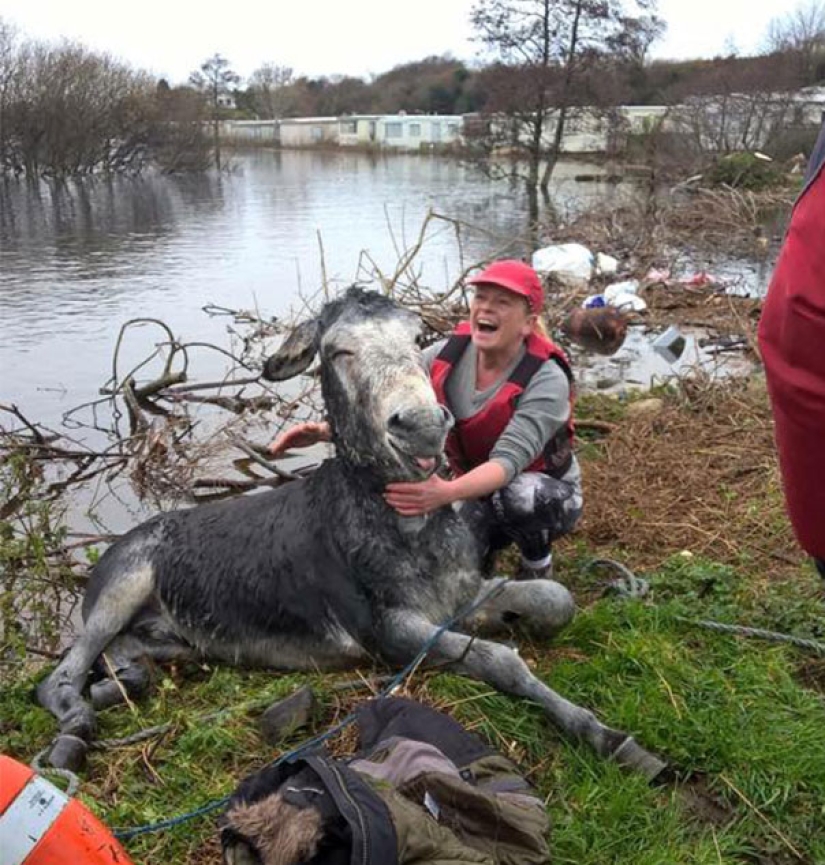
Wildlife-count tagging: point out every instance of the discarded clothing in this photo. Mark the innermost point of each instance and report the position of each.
(420, 790)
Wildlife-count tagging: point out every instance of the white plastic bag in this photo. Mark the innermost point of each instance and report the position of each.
(628, 302)
(606, 265)
(626, 286)
(567, 261)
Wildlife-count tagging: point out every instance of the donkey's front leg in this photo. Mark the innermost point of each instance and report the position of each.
(405, 632)
(541, 607)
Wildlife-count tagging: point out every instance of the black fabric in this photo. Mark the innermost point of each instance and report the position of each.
(526, 368)
(357, 824)
(534, 546)
(551, 509)
(820, 566)
(558, 454)
(452, 350)
(374, 841)
(386, 717)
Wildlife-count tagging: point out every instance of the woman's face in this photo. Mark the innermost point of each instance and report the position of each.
(500, 319)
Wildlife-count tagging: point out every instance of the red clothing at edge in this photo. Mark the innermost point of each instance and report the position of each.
(792, 343)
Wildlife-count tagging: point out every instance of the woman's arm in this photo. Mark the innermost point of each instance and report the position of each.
(302, 435)
(415, 499)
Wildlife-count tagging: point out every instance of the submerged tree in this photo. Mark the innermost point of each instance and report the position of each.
(214, 79)
(66, 110)
(545, 49)
(267, 85)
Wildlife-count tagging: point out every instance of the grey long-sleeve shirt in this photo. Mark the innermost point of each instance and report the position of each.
(542, 409)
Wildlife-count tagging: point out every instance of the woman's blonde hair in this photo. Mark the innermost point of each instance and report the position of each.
(540, 327)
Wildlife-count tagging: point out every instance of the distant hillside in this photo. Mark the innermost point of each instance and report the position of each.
(444, 85)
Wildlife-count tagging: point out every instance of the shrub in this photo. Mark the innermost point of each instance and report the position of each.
(744, 171)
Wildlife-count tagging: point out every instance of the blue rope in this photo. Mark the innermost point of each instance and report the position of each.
(126, 834)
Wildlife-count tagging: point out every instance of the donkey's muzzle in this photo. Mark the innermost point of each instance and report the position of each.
(420, 430)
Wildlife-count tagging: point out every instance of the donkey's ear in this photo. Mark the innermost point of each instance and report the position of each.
(295, 354)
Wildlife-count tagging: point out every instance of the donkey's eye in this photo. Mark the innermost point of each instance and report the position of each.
(341, 352)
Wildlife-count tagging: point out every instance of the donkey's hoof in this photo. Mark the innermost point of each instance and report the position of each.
(80, 722)
(632, 755)
(105, 694)
(68, 752)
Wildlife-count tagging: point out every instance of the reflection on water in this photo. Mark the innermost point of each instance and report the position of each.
(79, 258)
(637, 366)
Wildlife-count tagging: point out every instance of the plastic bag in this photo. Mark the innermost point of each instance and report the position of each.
(568, 261)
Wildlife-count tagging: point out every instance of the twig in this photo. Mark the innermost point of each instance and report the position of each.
(270, 467)
(784, 838)
(12, 409)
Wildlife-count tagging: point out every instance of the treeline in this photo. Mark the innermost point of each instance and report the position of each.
(434, 85)
(444, 85)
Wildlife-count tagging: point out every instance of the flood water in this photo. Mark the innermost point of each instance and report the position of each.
(78, 260)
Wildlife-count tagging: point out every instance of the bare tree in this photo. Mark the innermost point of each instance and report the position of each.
(738, 104)
(65, 110)
(214, 79)
(8, 70)
(544, 48)
(182, 143)
(800, 34)
(266, 85)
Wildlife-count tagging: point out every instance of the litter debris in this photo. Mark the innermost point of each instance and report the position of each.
(670, 345)
(628, 302)
(569, 262)
(658, 274)
(287, 715)
(606, 265)
(601, 329)
(621, 295)
(626, 286)
(700, 279)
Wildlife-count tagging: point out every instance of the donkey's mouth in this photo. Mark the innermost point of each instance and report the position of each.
(418, 466)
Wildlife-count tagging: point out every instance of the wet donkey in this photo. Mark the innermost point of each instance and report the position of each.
(321, 572)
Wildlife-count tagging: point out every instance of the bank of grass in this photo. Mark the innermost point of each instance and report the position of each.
(740, 720)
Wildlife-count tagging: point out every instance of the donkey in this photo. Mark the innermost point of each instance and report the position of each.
(321, 573)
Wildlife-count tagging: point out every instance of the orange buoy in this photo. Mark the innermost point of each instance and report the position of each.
(40, 825)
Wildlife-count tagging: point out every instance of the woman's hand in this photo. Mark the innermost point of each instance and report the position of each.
(301, 435)
(417, 499)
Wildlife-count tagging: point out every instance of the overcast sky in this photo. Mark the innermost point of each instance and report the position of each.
(325, 37)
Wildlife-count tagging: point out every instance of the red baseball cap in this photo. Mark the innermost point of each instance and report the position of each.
(515, 276)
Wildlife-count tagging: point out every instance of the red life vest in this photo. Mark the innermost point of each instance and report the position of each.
(792, 343)
(472, 439)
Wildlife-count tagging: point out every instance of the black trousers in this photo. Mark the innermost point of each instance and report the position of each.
(532, 511)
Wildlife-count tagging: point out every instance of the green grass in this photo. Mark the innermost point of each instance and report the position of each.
(730, 713)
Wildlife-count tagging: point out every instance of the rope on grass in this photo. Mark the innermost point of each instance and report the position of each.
(631, 586)
(758, 633)
(69, 776)
(395, 681)
(628, 585)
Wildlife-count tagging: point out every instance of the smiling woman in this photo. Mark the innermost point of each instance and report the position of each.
(510, 452)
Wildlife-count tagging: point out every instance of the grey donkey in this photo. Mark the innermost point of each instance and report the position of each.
(321, 573)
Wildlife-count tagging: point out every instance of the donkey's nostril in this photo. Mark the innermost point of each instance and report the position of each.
(416, 420)
(396, 421)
